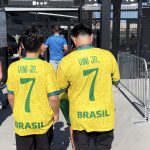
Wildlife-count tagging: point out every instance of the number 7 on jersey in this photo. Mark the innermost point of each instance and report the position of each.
(87, 72)
(25, 81)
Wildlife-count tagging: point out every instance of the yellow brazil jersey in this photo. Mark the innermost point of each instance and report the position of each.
(32, 81)
(88, 74)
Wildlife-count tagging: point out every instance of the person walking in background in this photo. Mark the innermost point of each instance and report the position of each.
(33, 95)
(57, 47)
(21, 49)
(1, 74)
(133, 44)
(1, 94)
(3, 79)
(87, 74)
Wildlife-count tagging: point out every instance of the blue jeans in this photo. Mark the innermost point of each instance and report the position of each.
(55, 64)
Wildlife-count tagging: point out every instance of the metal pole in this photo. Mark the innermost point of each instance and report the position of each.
(36, 17)
(105, 24)
(116, 26)
(127, 33)
(69, 35)
(80, 13)
(139, 29)
(1, 4)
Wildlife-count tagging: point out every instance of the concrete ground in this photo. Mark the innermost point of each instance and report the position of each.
(128, 136)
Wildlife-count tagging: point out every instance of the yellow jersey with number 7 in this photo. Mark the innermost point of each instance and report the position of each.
(87, 74)
(32, 81)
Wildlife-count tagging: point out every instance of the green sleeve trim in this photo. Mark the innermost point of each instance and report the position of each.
(62, 90)
(53, 93)
(56, 92)
(115, 82)
(10, 92)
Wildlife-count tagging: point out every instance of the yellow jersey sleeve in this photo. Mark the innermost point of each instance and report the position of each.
(11, 80)
(52, 85)
(62, 78)
(115, 72)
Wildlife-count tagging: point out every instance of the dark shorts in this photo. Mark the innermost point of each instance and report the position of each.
(35, 142)
(102, 140)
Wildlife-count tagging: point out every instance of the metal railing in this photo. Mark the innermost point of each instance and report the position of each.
(135, 79)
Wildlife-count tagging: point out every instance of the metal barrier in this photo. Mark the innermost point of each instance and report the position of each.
(134, 78)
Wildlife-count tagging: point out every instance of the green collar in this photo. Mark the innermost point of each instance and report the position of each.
(85, 47)
(27, 58)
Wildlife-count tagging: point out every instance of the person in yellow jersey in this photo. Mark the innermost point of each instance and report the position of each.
(88, 74)
(33, 95)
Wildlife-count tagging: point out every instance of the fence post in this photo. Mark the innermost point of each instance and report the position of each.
(139, 82)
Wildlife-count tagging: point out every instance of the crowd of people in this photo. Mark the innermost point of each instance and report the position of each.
(79, 83)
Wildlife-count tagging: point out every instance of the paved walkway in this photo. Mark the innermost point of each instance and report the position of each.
(128, 136)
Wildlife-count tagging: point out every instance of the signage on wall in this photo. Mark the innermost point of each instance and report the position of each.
(129, 1)
(40, 3)
(91, 1)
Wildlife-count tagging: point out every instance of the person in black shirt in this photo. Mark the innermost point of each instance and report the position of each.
(21, 49)
(0, 72)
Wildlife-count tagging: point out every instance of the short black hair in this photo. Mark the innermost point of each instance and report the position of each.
(81, 29)
(32, 39)
(56, 28)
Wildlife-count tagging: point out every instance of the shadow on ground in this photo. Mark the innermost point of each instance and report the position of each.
(4, 113)
(61, 138)
(139, 107)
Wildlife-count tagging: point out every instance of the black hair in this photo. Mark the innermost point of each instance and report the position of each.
(81, 29)
(56, 28)
(32, 39)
